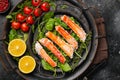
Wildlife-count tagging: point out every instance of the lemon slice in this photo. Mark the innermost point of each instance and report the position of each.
(26, 64)
(17, 47)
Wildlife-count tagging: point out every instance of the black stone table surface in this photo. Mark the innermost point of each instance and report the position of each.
(110, 10)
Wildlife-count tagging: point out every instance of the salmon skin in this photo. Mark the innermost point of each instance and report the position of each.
(67, 48)
(76, 28)
(40, 51)
(71, 40)
(49, 44)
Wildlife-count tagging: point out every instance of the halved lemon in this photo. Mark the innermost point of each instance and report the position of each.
(17, 47)
(26, 64)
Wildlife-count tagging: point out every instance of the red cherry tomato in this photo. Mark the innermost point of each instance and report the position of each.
(37, 12)
(24, 27)
(15, 25)
(45, 6)
(30, 20)
(27, 10)
(20, 17)
(36, 2)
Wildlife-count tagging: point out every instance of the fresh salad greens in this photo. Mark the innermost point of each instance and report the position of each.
(59, 22)
(46, 66)
(48, 15)
(13, 34)
(65, 67)
(48, 23)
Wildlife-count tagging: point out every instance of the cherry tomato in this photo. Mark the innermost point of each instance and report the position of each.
(24, 27)
(36, 2)
(15, 25)
(27, 10)
(20, 17)
(45, 6)
(30, 20)
(37, 12)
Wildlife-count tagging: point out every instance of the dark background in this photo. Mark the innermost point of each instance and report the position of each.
(110, 10)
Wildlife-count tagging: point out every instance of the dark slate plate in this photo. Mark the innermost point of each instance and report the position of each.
(85, 18)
